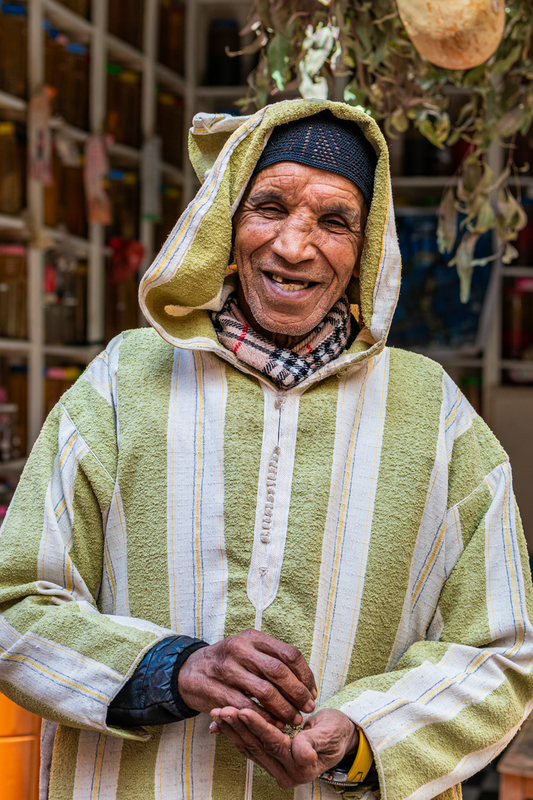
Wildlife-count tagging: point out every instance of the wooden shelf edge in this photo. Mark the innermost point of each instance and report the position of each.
(12, 102)
(65, 18)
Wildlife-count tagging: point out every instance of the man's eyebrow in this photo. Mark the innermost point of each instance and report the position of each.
(264, 195)
(349, 212)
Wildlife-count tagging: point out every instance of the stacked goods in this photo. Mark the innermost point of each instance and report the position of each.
(121, 305)
(126, 20)
(64, 199)
(123, 190)
(58, 380)
(171, 208)
(13, 292)
(65, 299)
(67, 72)
(14, 390)
(13, 48)
(172, 34)
(9, 443)
(12, 168)
(170, 126)
(124, 105)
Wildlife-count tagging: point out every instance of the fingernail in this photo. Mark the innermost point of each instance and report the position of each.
(315, 694)
(309, 706)
(213, 728)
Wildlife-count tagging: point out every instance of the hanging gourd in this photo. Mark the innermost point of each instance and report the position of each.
(455, 34)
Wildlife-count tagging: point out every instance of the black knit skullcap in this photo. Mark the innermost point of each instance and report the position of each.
(326, 142)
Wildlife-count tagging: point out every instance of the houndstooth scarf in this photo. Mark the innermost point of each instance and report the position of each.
(286, 368)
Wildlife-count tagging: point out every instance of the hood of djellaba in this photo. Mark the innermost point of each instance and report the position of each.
(189, 279)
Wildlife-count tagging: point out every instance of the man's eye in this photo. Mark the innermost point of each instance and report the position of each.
(335, 222)
(271, 209)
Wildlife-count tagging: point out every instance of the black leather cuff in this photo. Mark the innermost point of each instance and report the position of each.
(151, 695)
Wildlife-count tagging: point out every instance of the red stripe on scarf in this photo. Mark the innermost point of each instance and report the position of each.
(242, 337)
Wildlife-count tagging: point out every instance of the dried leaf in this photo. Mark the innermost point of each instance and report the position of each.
(447, 227)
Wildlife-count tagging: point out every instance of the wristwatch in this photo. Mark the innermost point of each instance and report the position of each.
(338, 778)
(351, 772)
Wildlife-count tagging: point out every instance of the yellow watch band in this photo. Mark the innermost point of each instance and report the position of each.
(363, 760)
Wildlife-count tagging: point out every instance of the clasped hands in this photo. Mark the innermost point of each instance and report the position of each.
(223, 678)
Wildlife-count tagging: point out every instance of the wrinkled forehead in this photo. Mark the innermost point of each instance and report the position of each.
(301, 188)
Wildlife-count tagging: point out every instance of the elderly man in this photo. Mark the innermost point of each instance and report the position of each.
(263, 512)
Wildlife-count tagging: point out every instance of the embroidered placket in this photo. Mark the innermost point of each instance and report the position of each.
(273, 502)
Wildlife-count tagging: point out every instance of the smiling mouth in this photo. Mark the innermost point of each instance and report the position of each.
(287, 285)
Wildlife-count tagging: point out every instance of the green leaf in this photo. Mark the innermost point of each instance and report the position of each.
(486, 218)
(503, 66)
(278, 54)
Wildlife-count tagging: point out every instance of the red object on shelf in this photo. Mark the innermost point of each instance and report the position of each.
(126, 259)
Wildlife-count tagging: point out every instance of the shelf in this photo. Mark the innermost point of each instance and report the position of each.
(424, 182)
(82, 353)
(14, 346)
(507, 363)
(8, 222)
(82, 246)
(415, 211)
(12, 467)
(11, 102)
(124, 151)
(171, 79)
(67, 20)
(517, 272)
(77, 134)
(124, 52)
(235, 92)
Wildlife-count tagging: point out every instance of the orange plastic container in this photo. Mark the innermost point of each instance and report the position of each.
(19, 752)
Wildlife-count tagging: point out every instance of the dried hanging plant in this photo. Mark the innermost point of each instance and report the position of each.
(305, 44)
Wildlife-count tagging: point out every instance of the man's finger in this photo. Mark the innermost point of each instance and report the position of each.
(291, 657)
(303, 750)
(250, 746)
(277, 673)
(275, 743)
(270, 698)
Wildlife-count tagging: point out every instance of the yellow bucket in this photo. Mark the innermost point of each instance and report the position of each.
(19, 752)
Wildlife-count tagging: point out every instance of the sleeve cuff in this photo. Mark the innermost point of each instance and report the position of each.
(151, 695)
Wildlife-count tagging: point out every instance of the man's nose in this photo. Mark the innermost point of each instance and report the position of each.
(293, 242)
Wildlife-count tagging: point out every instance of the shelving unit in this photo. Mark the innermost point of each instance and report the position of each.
(29, 227)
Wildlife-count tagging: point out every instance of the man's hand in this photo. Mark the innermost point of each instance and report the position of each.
(327, 737)
(249, 664)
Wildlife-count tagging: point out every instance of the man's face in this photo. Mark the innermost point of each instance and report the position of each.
(299, 234)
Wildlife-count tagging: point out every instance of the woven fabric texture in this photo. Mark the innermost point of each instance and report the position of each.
(324, 142)
(286, 368)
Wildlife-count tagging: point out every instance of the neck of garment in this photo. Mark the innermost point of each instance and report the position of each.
(285, 367)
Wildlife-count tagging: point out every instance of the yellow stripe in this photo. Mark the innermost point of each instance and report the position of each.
(54, 675)
(342, 518)
(98, 768)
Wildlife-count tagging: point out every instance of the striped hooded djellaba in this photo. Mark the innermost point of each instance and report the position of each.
(394, 560)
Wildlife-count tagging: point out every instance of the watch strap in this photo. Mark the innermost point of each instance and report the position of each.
(363, 760)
